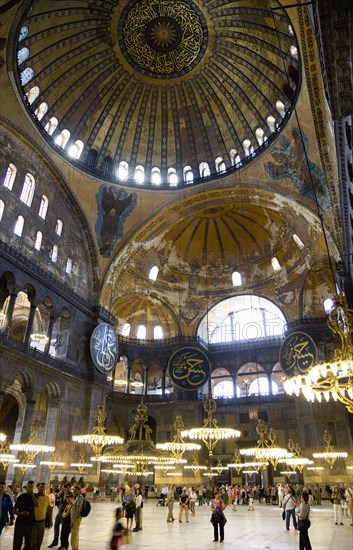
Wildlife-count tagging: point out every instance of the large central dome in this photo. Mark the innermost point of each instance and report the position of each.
(157, 93)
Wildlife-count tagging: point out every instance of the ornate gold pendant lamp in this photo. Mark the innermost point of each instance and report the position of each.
(210, 433)
(6, 457)
(332, 379)
(81, 464)
(219, 467)
(139, 450)
(297, 462)
(99, 438)
(266, 449)
(329, 454)
(178, 446)
(32, 448)
(195, 466)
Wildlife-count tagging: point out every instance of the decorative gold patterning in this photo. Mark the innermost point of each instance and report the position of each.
(162, 36)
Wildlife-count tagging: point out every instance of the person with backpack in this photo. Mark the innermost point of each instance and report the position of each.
(75, 516)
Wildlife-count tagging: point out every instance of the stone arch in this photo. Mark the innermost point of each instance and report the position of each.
(53, 390)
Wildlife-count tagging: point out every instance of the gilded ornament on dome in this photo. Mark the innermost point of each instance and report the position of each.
(163, 38)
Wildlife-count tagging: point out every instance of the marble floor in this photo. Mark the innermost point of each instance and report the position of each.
(262, 529)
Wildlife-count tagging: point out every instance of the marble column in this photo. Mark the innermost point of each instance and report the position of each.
(49, 333)
(128, 386)
(145, 379)
(51, 427)
(9, 312)
(163, 382)
(30, 321)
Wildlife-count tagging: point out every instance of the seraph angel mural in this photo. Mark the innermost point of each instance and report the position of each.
(114, 206)
(290, 161)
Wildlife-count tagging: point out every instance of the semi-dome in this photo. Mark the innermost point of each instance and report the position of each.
(158, 93)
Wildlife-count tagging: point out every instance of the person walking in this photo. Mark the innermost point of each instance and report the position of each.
(217, 518)
(6, 507)
(303, 512)
(43, 513)
(184, 506)
(337, 506)
(289, 505)
(138, 507)
(66, 522)
(170, 503)
(24, 510)
(75, 516)
(192, 500)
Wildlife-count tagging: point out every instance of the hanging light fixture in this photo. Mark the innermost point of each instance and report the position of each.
(178, 445)
(81, 464)
(266, 449)
(219, 467)
(332, 379)
(329, 454)
(52, 464)
(99, 438)
(32, 448)
(296, 461)
(210, 433)
(195, 466)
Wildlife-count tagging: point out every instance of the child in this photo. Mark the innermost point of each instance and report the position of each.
(119, 529)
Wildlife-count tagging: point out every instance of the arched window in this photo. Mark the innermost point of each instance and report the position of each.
(248, 148)
(2, 209)
(68, 267)
(54, 253)
(23, 34)
(10, 176)
(204, 170)
(280, 108)
(276, 266)
(43, 207)
(224, 389)
(236, 278)
(139, 174)
(158, 332)
(298, 242)
(141, 332)
(19, 226)
(41, 111)
(33, 94)
(220, 165)
(271, 122)
(38, 241)
(123, 170)
(62, 138)
(76, 149)
(172, 177)
(26, 75)
(126, 329)
(153, 274)
(188, 176)
(156, 176)
(51, 125)
(242, 318)
(328, 305)
(233, 155)
(294, 51)
(260, 135)
(22, 55)
(28, 189)
(59, 227)
(260, 386)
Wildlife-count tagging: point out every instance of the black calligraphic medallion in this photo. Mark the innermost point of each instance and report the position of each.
(104, 348)
(298, 352)
(189, 368)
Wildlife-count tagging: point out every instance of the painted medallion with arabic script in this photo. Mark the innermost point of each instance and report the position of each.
(298, 352)
(189, 368)
(104, 348)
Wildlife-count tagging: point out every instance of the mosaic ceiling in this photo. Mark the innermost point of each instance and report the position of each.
(181, 87)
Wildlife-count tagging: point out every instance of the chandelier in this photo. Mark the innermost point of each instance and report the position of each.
(81, 464)
(32, 448)
(219, 467)
(195, 466)
(99, 438)
(333, 378)
(139, 450)
(296, 461)
(266, 449)
(329, 454)
(178, 445)
(210, 433)
(52, 464)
